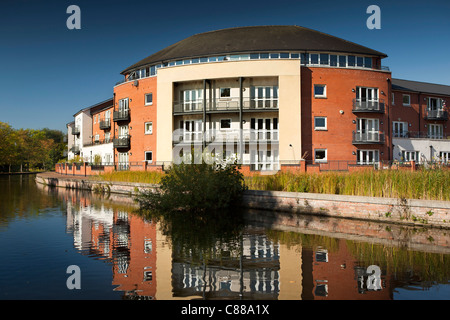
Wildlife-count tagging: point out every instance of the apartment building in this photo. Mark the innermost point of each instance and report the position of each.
(268, 96)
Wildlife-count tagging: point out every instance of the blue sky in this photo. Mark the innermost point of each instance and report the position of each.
(49, 72)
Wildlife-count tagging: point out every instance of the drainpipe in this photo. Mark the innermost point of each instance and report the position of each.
(388, 101)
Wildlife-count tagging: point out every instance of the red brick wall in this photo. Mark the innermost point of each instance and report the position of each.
(139, 114)
(337, 139)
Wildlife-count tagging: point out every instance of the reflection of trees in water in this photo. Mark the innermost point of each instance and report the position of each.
(21, 197)
(202, 236)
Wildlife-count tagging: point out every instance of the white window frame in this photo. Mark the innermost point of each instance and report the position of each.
(317, 128)
(444, 156)
(324, 95)
(145, 156)
(146, 129)
(145, 97)
(397, 133)
(325, 159)
(367, 151)
(393, 98)
(408, 104)
(435, 131)
(412, 155)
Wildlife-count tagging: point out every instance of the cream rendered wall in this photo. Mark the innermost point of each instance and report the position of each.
(289, 81)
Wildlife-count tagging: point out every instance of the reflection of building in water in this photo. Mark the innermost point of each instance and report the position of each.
(336, 275)
(254, 274)
(127, 241)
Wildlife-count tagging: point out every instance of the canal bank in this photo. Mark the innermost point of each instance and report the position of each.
(388, 210)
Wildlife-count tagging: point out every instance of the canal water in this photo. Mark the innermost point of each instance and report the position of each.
(67, 244)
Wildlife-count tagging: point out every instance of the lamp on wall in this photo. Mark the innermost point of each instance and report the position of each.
(354, 153)
(353, 89)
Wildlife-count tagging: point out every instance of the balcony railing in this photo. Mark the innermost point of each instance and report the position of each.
(76, 130)
(376, 137)
(436, 115)
(122, 115)
(225, 104)
(122, 141)
(368, 106)
(420, 135)
(105, 124)
(248, 135)
(97, 142)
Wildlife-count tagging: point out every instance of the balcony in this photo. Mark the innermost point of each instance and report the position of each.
(225, 105)
(76, 130)
(122, 141)
(368, 106)
(368, 137)
(436, 115)
(105, 124)
(122, 115)
(232, 136)
(97, 142)
(421, 135)
(75, 150)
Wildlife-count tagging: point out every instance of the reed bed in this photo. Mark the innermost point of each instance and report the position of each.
(152, 177)
(421, 184)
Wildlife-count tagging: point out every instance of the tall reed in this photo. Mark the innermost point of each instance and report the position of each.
(421, 184)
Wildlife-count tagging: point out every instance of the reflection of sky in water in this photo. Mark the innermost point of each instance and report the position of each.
(436, 292)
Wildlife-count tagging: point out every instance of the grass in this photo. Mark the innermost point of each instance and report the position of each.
(421, 184)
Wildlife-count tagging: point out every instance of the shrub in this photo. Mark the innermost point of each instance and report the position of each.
(195, 187)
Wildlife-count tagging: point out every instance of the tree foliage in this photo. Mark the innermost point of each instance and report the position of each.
(30, 148)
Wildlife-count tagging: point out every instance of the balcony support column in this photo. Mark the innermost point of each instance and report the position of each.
(241, 125)
(204, 115)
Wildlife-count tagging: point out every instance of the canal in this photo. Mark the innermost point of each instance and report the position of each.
(67, 244)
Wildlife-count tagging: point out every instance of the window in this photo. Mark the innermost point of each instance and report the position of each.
(320, 123)
(324, 59)
(107, 137)
(444, 156)
(320, 155)
(149, 99)
(149, 156)
(368, 62)
(320, 91)
(342, 61)
(351, 61)
(225, 124)
(435, 131)
(410, 155)
(406, 100)
(148, 127)
(400, 129)
(393, 99)
(367, 156)
(97, 137)
(225, 92)
(192, 99)
(314, 58)
(264, 97)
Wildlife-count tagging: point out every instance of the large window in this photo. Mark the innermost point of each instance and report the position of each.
(444, 156)
(410, 155)
(367, 157)
(192, 99)
(435, 131)
(399, 129)
(264, 97)
(367, 130)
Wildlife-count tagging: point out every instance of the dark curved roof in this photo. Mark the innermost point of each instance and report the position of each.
(254, 39)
